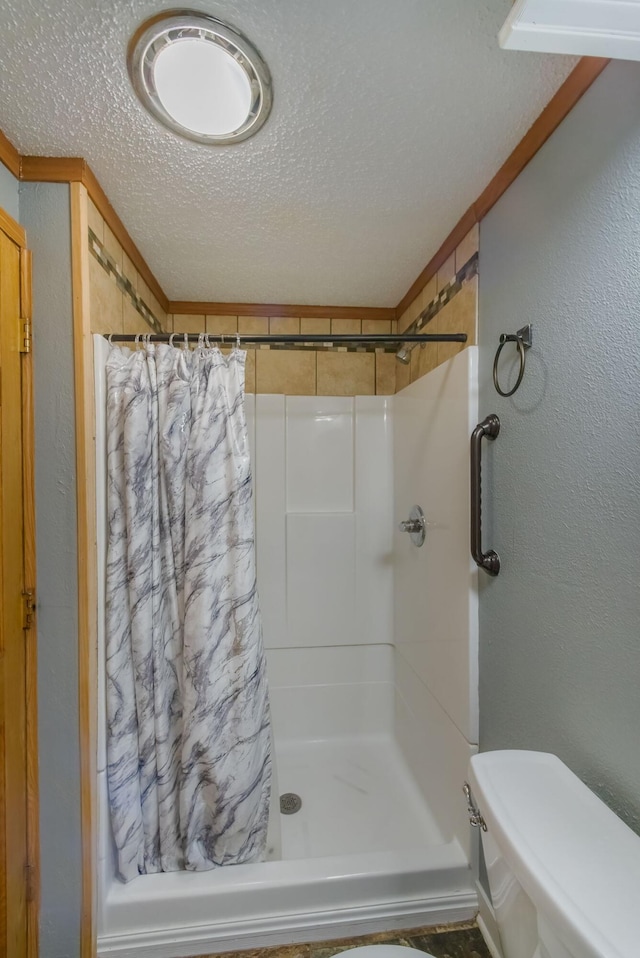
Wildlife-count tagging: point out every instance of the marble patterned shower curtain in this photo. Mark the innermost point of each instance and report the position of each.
(188, 732)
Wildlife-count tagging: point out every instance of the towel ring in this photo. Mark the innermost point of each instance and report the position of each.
(523, 340)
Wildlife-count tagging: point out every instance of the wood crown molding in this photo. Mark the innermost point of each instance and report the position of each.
(563, 101)
(75, 169)
(185, 307)
(9, 156)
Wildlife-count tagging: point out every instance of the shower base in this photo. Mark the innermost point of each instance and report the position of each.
(363, 854)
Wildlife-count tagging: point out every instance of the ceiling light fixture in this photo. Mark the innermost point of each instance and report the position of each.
(200, 77)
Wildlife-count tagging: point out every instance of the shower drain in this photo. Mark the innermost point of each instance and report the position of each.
(290, 803)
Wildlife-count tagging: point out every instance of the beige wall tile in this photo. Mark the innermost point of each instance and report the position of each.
(427, 358)
(222, 325)
(346, 327)
(346, 374)
(188, 323)
(105, 300)
(169, 324)
(415, 364)
(129, 270)
(96, 223)
(286, 371)
(469, 309)
(424, 359)
(149, 299)
(403, 375)
(250, 372)
(376, 326)
(284, 326)
(429, 293)
(467, 247)
(459, 316)
(386, 374)
(113, 247)
(394, 326)
(253, 325)
(412, 312)
(446, 272)
(133, 322)
(315, 326)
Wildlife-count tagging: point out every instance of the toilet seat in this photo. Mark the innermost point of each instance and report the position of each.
(384, 951)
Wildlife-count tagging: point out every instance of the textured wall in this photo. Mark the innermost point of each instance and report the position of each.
(559, 628)
(45, 214)
(9, 192)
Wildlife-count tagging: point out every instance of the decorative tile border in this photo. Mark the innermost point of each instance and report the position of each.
(446, 294)
(123, 283)
(327, 347)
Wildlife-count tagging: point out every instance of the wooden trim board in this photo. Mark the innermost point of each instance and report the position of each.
(87, 558)
(274, 309)
(9, 155)
(51, 169)
(13, 230)
(563, 101)
(31, 636)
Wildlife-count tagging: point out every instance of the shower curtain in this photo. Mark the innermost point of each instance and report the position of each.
(188, 729)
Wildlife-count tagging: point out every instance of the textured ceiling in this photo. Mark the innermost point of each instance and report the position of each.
(388, 121)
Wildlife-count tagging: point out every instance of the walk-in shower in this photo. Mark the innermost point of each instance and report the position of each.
(371, 660)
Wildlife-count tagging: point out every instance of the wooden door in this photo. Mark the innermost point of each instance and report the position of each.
(18, 849)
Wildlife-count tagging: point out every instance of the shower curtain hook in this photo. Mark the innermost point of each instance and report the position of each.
(237, 340)
(137, 341)
(171, 339)
(207, 341)
(201, 341)
(186, 340)
(110, 339)
(222, 338)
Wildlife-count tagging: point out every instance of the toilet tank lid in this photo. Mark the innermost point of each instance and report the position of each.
(576, 860)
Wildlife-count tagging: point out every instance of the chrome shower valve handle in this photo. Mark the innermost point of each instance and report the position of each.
(415, 525)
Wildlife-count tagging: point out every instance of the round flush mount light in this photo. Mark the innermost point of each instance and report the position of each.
(200, 77)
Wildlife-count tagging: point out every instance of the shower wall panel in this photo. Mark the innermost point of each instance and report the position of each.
(436, 613)
(324, 496)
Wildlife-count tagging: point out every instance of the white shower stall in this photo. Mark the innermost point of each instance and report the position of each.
(372, 668)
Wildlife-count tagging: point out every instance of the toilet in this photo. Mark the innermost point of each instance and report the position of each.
(384, 951)
(563, 869)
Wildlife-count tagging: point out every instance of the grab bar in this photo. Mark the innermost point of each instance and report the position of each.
(489, 561)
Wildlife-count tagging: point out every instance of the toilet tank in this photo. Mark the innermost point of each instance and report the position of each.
(563, 869)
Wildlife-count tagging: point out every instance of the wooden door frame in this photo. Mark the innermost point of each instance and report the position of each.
(16, 233)
(87, 561)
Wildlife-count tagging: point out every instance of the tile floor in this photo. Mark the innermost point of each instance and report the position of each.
(451, 941)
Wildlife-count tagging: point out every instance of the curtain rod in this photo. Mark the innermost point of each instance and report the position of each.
(230, 338)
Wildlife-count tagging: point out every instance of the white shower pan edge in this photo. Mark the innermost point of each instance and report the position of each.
(326, 898)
